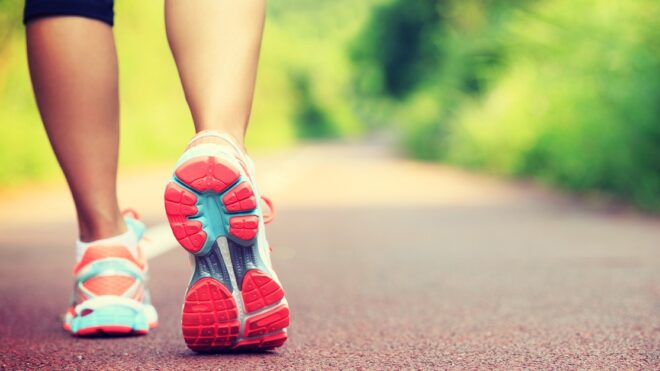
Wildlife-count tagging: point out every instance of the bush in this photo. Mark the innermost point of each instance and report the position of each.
(578, 104)
(560, 90)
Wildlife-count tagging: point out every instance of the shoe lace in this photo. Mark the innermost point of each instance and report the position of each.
(130, 212)
(270, 214)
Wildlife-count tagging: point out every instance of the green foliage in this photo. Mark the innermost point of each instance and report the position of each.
(565, 91)
(393, 59)
(461, 49)
(310, 119)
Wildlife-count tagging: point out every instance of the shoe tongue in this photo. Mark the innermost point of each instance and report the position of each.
(136, 226)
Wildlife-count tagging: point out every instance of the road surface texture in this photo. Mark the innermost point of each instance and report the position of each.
(387, 264)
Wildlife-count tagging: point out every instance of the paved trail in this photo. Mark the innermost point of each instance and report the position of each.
(387, 264)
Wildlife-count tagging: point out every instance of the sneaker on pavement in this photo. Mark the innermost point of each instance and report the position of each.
(110, 294)
(234, 299)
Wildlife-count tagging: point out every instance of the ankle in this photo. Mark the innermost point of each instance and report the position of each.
(100, 228)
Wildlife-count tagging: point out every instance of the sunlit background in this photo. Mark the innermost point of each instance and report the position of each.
(563, 91)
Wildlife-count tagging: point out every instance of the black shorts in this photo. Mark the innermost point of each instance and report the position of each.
(103, 10)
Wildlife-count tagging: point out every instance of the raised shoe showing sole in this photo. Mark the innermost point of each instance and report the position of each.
(234, 299)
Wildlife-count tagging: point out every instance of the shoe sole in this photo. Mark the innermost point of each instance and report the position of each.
(233, 301)
(113, 319)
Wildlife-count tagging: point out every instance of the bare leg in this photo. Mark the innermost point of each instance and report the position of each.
(73, 65)
(216, 45)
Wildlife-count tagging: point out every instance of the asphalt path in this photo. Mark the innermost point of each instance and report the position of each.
(387, 264)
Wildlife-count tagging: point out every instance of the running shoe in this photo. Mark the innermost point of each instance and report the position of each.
(234, 299)
(110, 294)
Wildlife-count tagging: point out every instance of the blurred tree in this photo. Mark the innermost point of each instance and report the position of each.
(311, 120)
(9, 19)
(561, 90)
(398, 47)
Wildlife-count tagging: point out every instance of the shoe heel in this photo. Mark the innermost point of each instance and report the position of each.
(110, 319)
(207, 199)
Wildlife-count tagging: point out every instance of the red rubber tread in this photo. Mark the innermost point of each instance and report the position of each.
(271, 321)
(244, 227)
(180, 203)
(259, 291)
(240, 198)
(209, 321)
(207, 174)
(264, 343)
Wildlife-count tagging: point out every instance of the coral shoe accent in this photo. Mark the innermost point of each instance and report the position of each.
(94, 253)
